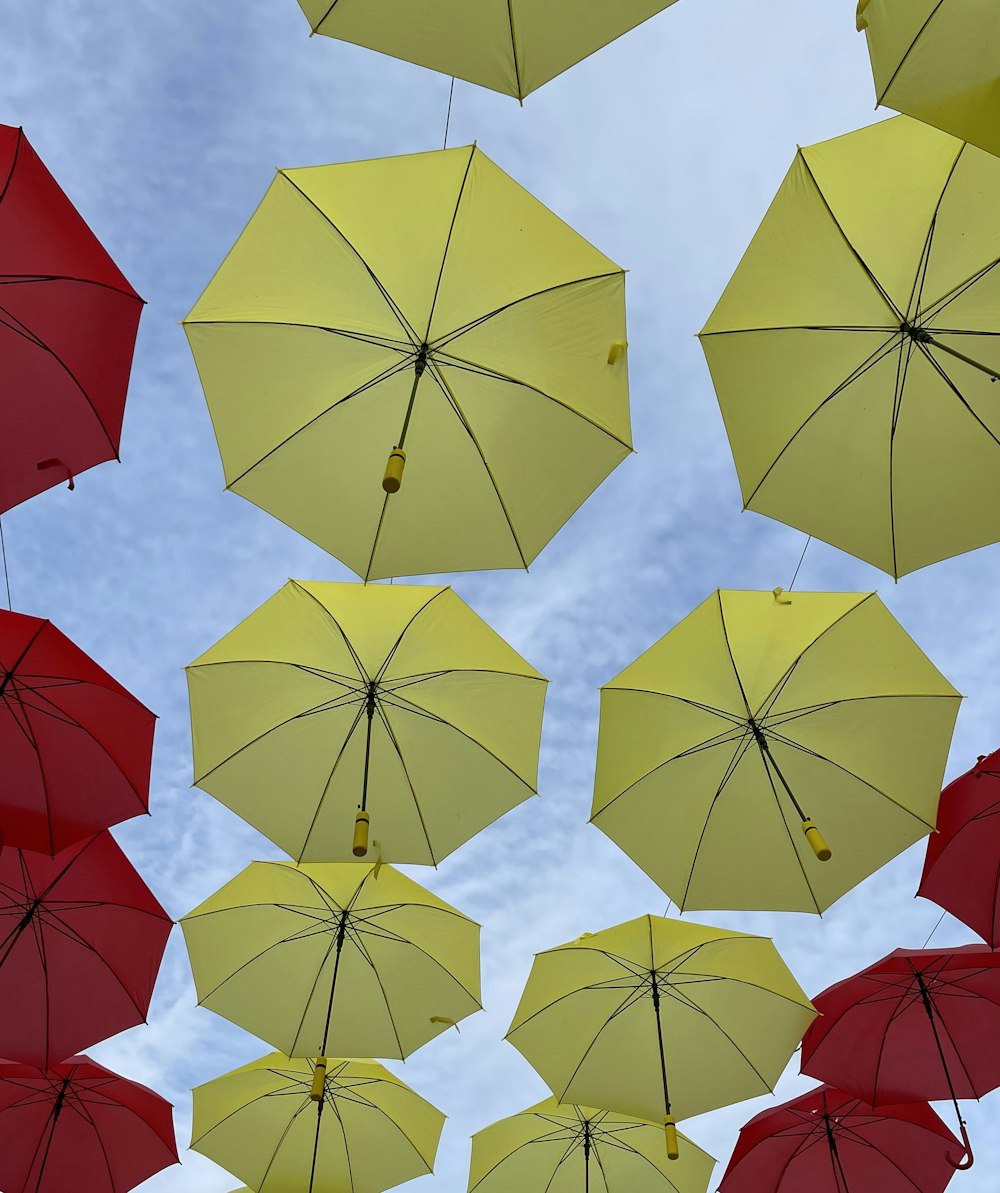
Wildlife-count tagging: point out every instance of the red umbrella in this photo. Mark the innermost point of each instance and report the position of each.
(79, 1128)
(962, 866)
(919, 1025)
(75, 746)
(81, 940)
(827, 1141)
(68, 321)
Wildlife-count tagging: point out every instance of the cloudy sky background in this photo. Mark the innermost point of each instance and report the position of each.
(164, 122)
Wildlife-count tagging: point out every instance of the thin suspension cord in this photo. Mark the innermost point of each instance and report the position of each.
(799, 564)
(6, 574)
(934, 929)
(447, 123)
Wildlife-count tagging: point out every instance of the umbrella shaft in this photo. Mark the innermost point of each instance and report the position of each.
(368, 753)
(659, 1037)
(769, 758)
(418, 370)
(992, 373)
(341, 931)
(929, 1008)
(319, 1120)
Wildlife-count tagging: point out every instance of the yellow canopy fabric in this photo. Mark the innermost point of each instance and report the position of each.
(720, 1007)
(364, 1131)
(426, 303)
(283, 736)
(570, 1149)
(756, 716)
(854, 351)
(512, 46)
(341, 959)
(939, 61)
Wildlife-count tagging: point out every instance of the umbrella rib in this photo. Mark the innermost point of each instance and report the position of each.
(79, 1105)
(390, 302)
(956, 391)
(912, 46)
(719, 712)
(329, 779)
(13, 164)
(729, 652)
(886, 329)
(447, 243)
(738, 755)
(392, 371)
(323, 18)
(468, 366)
(788, 833)
(513, 50)
(857, 256)
(22, 329)
(450, 337)
(356, 658)
(28, 279)
(875, 358)
(395, 938)
(409, 782)
(383, 667)
(387, 342)
(317, 710)
(362, 949)
(30, 734)
(920, 278)
(453, 402)
(942, 304)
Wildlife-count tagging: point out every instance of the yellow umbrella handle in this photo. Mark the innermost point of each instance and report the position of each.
(670, 1130)
(817, 841)
(361, 822)
(394, 466)
(616, 351)
(319, 1080)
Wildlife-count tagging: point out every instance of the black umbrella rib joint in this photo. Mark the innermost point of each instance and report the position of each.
(969, 1159)
(669, 1122)
(363, 820)
(815, 838)
(392, 479)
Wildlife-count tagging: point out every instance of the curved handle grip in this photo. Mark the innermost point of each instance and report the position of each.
(968, 1159)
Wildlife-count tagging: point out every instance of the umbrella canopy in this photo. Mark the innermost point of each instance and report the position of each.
(512, 46)
(338, 705)
(79, 1126)
(855, 348)
(302, 1126)
(334, 959)
(962, 864)
(764, 733)
(827, 1141)
(921, 1024)
(68, 322)
(75, 746)
(938, 60)
(81, 940)
(423, 310)
(579, 1149)
(660, 1019)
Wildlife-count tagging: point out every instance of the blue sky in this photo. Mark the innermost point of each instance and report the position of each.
(165, 122)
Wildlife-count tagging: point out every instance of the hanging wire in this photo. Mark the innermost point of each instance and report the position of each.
(447, 122)
(933, 930)
(6, 574)
(799, 564)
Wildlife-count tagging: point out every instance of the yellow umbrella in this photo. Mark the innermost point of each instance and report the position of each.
(660, 1019)
(346, 958)
(426, 310)
(854, 351)
(938, 60)
(512, 46)
(335, 703)
(764, 732)
(576, 1149)
(325, 1126)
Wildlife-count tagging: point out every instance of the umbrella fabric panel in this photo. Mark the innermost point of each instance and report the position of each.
(78, 1125)
(546, 1147)
(371, 1132)
(76, 745)
(67, 331)
(587, 1021)
(264, 955)
(962, 865)
(509, 47)
(875, 1037)
(828, 1140)
(81, 941)
(938, 62)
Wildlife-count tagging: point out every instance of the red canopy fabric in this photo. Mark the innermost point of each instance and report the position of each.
(827, 1141)
(81, 941)
(962, 864)
(919, 1025)
(75, 746)
(68, 322)
(79, 1128)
